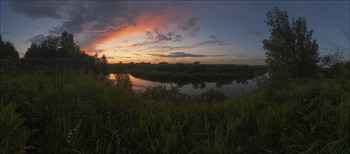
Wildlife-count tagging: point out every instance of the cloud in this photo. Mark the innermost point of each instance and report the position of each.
(213, 42)
(178, 55)
(218, 55)
(213, 36)
(345, 31)
(170, 48)
(35, 27)
(183, 54)
(159, 36)
(336, 49)
(257, 32)
(37, 39)
(38, 9)
(142, 44)
(192, 33)
(9, 34)
(189, 24)
(94, 22)
(240, 55)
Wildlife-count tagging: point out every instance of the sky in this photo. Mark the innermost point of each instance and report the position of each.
(210, 32)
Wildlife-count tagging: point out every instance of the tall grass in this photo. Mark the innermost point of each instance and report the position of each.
(80, 113)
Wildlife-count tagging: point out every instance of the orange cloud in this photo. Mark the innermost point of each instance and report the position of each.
(144, 22)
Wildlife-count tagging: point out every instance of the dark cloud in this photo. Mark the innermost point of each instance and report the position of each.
(257, 32)
(183, 54)
(141, 44)
(99, 20)
(345, 31)
(218, 55)
(189, 24)
(35, 27)
(170, 48)
(179, 54)
(8, 34)
(332, 44)
(158, 36)
(240, 55)
(38, 9)
(37, 39)
(336, 49)
(192, 33)
(223, 43)
(213, 36)
(213, 42)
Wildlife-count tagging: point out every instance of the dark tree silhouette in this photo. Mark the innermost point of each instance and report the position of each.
(55, 47)
(290, 51)
(67, 46)
(305, 52)
(64, 47)
(7, 50)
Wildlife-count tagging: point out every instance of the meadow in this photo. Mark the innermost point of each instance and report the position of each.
(64, 111)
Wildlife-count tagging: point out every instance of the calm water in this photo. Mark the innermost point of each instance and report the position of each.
(229, 88)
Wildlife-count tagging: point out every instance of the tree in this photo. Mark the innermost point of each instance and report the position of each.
(306, 54)
(67, 46)
(55, 47)
(34, 51)
(104, 65)
(331, 59)
(7, 50)
(290, 51)
(64, 47)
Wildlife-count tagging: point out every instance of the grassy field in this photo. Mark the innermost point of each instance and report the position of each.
(68, 112)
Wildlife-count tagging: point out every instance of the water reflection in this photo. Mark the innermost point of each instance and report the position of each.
(230, 88)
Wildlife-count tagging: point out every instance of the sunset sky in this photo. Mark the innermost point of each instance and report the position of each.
(224, 32)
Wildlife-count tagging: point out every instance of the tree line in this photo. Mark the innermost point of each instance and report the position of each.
(56, 47)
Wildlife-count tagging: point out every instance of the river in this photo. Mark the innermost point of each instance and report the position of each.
(232, 89)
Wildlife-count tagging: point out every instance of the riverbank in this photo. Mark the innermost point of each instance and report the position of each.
(79, 113)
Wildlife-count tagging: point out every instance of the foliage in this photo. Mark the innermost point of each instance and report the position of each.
(64, 47)
(331, 59)
(160, 93)
(55, 47)
(332, 66)
(123, 81)
(7, 50)
(13, 134)
(290, 50)
(212, 96)
(81, 113)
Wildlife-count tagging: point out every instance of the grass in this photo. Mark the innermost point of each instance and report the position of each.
(69, 112)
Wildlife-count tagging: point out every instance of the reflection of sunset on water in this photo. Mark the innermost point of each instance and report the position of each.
(231, 89)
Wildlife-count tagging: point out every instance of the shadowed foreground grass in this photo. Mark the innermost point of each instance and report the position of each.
(78, 113)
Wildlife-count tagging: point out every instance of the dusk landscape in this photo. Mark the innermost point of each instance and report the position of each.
(174, 76)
